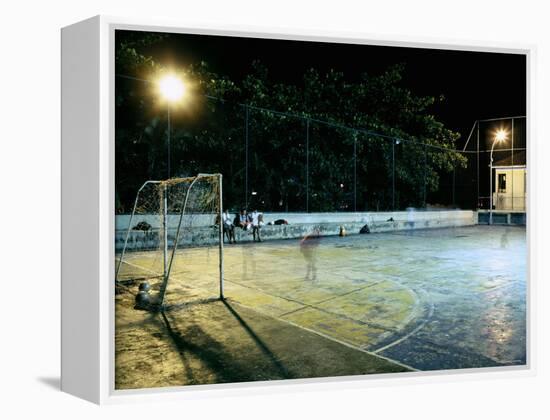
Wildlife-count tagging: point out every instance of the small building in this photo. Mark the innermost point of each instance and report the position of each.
(510, 183)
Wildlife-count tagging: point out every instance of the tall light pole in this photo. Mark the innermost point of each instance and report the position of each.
(172, 89)
(500, 136)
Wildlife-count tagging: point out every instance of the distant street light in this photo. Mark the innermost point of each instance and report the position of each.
(500, 137)
(172, 89)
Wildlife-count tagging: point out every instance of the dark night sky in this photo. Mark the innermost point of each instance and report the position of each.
(476, 85)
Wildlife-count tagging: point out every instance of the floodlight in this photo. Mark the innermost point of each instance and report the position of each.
(171, 88)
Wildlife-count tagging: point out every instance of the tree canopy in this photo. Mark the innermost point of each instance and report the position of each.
(326, 143)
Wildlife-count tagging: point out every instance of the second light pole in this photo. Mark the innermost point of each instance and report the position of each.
(500, 136)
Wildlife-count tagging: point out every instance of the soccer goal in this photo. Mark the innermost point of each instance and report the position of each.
(172, 242)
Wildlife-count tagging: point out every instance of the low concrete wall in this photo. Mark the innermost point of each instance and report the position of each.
(300, 224)
(502, 217)
(123, 220)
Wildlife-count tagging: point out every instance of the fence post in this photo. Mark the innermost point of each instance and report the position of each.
(393, 174)
(454, 182)
(168, 133)
(307, 165)
(246, 157)
(477, 177)
(355, 172)
(512, 159)
(425, 169)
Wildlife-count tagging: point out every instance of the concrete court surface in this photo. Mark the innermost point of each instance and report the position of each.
(426, 299)
(212, 342)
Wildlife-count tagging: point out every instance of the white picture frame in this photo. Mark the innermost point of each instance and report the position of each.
(88, 214)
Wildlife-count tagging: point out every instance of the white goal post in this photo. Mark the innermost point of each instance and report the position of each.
(167, 215)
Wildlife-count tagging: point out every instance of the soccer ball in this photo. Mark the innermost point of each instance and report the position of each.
(143, 300)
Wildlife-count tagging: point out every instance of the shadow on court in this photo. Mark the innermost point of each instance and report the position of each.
(221, 341)
(226, 364)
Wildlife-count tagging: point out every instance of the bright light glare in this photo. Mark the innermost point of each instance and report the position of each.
(171, 88)
(501, 135)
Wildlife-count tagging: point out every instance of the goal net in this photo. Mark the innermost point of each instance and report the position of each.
(172, 241)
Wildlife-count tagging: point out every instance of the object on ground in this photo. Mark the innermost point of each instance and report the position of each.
(365, 229)
(144, 287)
(143, 301)
(144, 226)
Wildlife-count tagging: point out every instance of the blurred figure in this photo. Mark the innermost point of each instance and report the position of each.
(256, 220)
(248, 270)
(504, 239)
(308, 247)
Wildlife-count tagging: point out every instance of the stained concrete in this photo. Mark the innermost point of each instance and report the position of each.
(212, 342)
(429, 299)
(205, 232)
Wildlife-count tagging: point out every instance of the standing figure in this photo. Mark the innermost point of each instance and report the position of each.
(256, 221)
(228, 227)
(308, 247)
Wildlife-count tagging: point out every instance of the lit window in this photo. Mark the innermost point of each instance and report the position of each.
(501, 183)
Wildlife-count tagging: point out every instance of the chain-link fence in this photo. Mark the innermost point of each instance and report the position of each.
(282, 162)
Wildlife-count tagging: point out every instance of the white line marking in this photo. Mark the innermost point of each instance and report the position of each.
(406, 336)
(352, 346)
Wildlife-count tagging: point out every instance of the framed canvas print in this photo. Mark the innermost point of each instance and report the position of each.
(249, 209)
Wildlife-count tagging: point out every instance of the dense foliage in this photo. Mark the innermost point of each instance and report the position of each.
(315, 136)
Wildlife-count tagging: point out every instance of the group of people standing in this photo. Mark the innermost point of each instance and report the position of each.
(246, 221)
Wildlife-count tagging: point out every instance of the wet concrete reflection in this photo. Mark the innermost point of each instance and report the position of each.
(432, 299)
(308, 246)
(504, 238)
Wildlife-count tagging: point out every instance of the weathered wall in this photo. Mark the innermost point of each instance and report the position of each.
(300, 224)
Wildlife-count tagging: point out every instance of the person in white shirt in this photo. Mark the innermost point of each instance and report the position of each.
(256, 221)
(228, 227)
